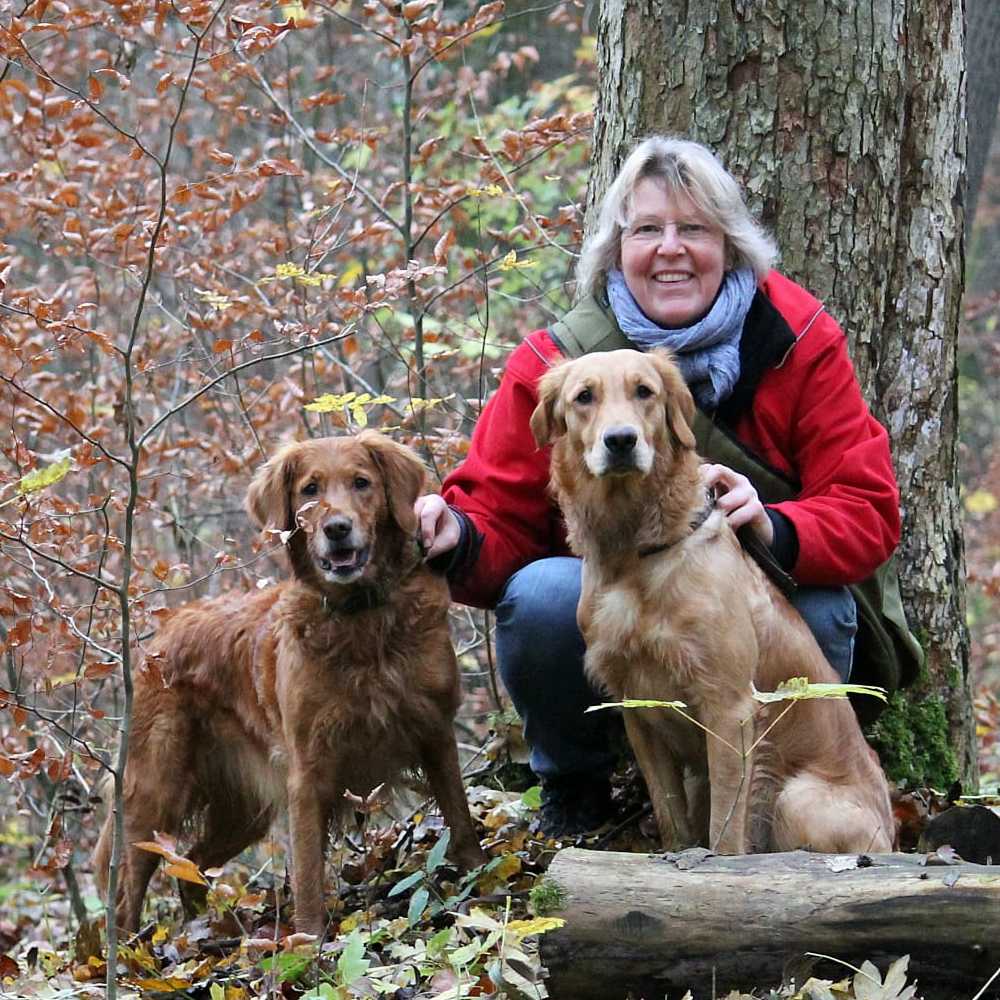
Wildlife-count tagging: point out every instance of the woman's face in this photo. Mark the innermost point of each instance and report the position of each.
(672, 258)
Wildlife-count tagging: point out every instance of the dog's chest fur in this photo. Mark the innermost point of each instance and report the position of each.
(646, 625)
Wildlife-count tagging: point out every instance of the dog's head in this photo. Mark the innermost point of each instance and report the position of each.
(617, 410)
(340, 499)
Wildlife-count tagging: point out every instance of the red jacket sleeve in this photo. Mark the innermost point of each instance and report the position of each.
(502, 486)
(810, 418)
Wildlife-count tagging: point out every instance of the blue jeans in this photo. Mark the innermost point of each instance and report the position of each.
(540, 656)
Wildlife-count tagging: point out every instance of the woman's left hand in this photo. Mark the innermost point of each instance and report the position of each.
(738, 500)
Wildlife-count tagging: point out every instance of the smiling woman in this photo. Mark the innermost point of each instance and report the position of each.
(676, 261)
(673, 259)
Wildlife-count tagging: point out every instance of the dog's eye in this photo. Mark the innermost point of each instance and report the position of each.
(310, 489)
(643, 392)
(584, 396)
(361, 483)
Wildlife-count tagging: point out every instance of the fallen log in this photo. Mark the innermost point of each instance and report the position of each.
(652, 926)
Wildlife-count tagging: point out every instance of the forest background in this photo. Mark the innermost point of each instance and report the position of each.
(225, 225)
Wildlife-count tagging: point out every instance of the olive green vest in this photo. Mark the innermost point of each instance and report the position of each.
(885, 653)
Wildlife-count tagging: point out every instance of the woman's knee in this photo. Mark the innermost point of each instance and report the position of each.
(832, 616)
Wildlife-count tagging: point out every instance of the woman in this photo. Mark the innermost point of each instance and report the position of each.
(676, 261)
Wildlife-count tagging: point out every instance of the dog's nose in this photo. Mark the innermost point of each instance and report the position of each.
(620, 440)
(337, 528)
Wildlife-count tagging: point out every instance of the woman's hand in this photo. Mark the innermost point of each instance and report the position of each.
(438, 526)
(738, 500)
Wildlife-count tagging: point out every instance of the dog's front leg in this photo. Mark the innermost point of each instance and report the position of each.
(307, 821)
(730, 768)
(440, 762)
(664, 779)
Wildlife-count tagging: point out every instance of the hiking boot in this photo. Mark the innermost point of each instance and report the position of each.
(574, 805)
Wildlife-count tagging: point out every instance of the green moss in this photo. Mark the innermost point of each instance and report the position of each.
(546, 897)
(912, 739)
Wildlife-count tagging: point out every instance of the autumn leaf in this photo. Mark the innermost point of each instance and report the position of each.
(278, 167)
(511, 263)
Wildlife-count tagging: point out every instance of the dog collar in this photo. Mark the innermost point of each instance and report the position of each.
(362, 599)
(699, 519)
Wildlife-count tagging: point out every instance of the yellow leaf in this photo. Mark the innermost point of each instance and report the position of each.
(294, 11)
(489, 30)
(358, 415)
(351, 274)
(218, 302)
(538, 925)
(511, 263)
(799, 689)
(41, 478)
(499, 876)
(160, 934)
(490, 191)
(981, 502)
(416, 404)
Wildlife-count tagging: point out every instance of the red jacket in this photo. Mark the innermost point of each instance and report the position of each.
(797, 405)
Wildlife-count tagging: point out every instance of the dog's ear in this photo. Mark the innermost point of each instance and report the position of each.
(403, 474)
(548, 421)
(268, 502)
(679, 401)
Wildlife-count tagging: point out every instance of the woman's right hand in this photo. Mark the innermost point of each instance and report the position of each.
(438, 525)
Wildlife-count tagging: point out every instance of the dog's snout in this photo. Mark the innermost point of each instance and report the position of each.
(337, 528)
(620, 440)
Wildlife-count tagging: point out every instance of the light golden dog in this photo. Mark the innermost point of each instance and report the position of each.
(672, 609)
(340, 678)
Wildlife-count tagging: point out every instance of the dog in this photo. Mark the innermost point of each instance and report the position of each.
(338, 679)
(672, 608)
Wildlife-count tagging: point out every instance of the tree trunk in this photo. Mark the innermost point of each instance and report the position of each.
(844, 123)
(652, 926)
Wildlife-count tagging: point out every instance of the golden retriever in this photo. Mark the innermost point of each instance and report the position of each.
(673, 609)
(340, 678)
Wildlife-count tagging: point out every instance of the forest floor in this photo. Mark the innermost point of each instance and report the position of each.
(404, 924)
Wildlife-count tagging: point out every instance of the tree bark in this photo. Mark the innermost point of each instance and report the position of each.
(844, 123)
(651, 925)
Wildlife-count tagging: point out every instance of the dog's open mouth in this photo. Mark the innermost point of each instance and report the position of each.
(344, 562)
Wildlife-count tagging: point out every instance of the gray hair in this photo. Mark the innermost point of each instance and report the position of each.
(693, 170)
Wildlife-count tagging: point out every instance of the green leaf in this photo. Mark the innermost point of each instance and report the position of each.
(437, 944)
(406, 883)
(418, 902)
(462, 957)
(532, 798)
(322, 992)
(289, 966)
(352, 964)
(799, 689)
(436, 855)
(638, 703)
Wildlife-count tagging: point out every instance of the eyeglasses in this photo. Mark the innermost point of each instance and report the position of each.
(649, 230)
